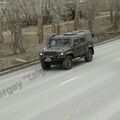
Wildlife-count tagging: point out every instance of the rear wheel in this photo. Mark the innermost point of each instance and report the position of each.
(68, 63)
(89, 56)
(45, 65)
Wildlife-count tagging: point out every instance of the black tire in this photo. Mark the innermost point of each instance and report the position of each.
(89, 56)
(45, 65)
(68, 63)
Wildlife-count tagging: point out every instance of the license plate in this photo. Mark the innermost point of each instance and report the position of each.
(48, 60)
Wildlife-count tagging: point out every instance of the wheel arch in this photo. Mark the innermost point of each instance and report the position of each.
(70, 54)
(92, 49)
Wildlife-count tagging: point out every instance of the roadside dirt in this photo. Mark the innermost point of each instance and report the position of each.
(9, 59)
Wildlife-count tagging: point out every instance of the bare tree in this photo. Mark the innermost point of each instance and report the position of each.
(40, 20)
(55, 8)
(77, 15)
(111, 8)
(2, 19)
(24, 6)
(1, 28)
(13, 17)
(117, 14)
(91, 8)
(58, 13)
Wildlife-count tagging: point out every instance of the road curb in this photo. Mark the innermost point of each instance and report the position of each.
(13, 69)
(107, 41)
(19, 67)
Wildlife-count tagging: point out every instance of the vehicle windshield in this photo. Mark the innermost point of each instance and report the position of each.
(57, 42)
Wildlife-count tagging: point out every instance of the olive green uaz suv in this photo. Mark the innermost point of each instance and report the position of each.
(63, 49)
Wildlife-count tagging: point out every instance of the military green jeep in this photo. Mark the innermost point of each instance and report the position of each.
(63, 49)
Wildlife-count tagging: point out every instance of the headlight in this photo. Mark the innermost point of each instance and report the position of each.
(41, 54)
(62, 54)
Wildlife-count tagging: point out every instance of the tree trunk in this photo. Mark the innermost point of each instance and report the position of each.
(53, 26)
(58, 28)
(1, 34)
(58, 22)
(16, 34)
(40, 22)
(91, 20)
(117, 14)
(77, 16)
(111, 15)
(40, 28)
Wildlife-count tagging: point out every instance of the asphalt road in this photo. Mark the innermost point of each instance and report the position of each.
(90, 91)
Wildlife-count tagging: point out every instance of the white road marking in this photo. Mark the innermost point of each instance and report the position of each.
(70, 80)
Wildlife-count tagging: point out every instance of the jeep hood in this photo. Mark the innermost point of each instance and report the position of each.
(57, 49)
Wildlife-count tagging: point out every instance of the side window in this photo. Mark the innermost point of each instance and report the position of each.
(82, 40)
(76, 42)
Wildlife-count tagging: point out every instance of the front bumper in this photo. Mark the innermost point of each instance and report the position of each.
(52, 60)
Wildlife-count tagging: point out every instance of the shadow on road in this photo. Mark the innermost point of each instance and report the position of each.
(76, 63)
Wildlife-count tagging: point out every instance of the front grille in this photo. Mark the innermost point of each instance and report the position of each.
(51, 53)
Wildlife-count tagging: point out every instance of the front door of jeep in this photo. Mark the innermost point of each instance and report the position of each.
(76, 47)
(82, 45)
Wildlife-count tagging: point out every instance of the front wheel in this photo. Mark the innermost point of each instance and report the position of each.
(68, 63)
(89, 56)
(45, 65)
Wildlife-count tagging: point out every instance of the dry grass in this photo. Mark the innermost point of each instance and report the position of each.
(8, 59)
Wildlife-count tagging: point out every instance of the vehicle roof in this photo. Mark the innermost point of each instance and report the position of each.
(73, 34)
